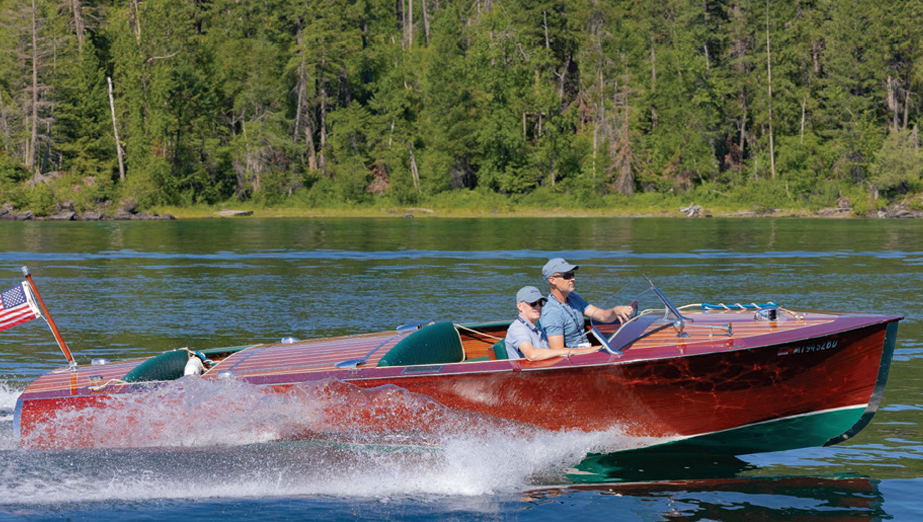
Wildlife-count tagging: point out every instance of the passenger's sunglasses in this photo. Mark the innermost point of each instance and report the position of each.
(565, 275)
(540, 302)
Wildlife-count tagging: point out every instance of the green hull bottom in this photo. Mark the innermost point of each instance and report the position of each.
(710, 455)
(803, 431)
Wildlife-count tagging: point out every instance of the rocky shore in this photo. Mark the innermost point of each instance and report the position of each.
(127, 211)
(899, 210)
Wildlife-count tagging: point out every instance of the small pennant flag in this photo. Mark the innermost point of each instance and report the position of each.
(15, 307)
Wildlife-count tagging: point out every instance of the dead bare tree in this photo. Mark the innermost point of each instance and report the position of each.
(653, 83)
(36, 51)
(301, 108)
(4, 124)
(409, 24)
(414, 171)
(322, 160)
(31, 147)
(79, 24)
(772, 153)
(115, 132)
(620, 149)
(425, 22)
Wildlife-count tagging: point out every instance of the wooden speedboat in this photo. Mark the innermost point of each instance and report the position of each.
(701, 378)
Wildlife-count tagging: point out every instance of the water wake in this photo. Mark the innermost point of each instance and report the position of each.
(8, 397)
(200, 439)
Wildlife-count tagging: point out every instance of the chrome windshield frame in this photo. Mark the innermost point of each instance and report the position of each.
(642, 325)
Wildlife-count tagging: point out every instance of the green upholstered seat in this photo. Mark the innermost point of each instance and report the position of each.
(437, 343)
(171, 365)
(165, 367)
(499, 349)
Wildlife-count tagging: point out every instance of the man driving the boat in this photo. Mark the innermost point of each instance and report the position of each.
(525, 339)
(562, 318)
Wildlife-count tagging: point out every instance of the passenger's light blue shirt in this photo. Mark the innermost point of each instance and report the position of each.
(523, 331)
(565, 318)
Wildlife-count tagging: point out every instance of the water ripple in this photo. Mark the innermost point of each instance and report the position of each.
(282, 255)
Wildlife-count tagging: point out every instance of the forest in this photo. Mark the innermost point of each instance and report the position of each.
(303, 103)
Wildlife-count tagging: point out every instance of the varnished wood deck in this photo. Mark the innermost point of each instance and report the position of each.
(662, 385)
(270, 362)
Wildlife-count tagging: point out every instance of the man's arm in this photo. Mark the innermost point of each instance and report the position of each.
(608, 315)
(536, 354)
(555, 342)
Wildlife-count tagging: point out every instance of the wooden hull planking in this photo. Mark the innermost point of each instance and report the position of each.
(771, 386)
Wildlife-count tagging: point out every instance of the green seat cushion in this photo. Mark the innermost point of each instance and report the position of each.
(437, 343)
(165, 367)
(500, 350)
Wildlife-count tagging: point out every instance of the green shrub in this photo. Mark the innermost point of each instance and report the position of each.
(898, 164)
(12, 170)
(763, 194)
(99, 191)
(42, 200)
(545, 198)
(859, 199)
(15, 193)
(145, 184)
(824, 195)
(860, 207)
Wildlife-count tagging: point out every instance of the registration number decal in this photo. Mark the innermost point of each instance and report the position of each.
(809, 348)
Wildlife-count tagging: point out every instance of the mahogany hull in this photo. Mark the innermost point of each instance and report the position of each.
(680, 397)
(776, 389)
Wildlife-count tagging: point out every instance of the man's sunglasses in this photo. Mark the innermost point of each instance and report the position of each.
(565, 275)
(540, 302)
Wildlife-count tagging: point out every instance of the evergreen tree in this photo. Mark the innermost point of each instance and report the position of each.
(410, 99)
(85, 133)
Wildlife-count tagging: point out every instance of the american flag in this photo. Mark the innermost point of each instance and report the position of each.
(14, 307)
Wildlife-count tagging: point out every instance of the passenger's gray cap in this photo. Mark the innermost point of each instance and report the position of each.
(529, 294)
(557, 266)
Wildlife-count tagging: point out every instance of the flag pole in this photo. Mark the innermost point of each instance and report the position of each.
(54, 328)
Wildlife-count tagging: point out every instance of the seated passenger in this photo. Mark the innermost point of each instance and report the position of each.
(563, 317)
(525, 338)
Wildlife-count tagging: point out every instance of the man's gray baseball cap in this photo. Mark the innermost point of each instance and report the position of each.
(557, 266)
(529, 294)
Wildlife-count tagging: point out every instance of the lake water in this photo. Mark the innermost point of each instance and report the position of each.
(125, 289)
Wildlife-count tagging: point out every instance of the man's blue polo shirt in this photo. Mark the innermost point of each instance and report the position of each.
(565, 318)
(523, 331)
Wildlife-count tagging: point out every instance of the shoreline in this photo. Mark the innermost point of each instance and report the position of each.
(693, 212)
(559, 212)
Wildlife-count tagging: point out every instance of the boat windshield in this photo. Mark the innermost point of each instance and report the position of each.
(652, 312)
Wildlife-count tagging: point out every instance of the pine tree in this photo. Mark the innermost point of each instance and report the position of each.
(85, 128)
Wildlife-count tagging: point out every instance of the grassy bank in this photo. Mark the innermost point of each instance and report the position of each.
(757, 198)
(760, 197)
(468, 205)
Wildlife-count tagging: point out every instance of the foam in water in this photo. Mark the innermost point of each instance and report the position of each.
(196, 439)
(8, 397)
